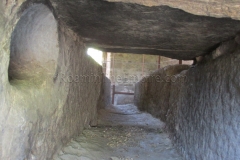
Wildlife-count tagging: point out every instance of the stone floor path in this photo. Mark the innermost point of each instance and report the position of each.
(123, 133)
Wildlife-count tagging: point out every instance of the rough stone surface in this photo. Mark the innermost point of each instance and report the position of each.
(41, 113)
(172, 120)
(213, 8)
(105, 98)
(225, 48)
(209, 110)
(34, 49)
(133, 28)
(146, 91)
(203, 108)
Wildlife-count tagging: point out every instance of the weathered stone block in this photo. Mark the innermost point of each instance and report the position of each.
(202, 110)
(153, 92)
(39, 114)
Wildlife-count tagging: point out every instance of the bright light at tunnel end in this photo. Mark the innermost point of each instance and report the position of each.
(96, 55)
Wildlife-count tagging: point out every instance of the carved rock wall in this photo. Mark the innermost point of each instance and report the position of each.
(42, 112)
(200, 108)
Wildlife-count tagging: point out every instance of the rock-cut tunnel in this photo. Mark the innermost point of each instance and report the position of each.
(51, 91)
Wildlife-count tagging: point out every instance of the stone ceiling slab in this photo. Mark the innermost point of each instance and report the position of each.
(214, 8)
(134, 28)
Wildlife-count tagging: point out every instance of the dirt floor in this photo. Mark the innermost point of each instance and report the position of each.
(123, 133)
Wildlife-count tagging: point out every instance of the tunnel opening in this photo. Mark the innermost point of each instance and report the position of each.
(126, 69)
(97, 55)
(34, 46)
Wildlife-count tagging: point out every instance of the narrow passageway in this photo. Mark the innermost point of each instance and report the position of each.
(123, 133)
(178, 61)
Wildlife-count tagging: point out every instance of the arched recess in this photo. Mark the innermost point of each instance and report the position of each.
(34, 45)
